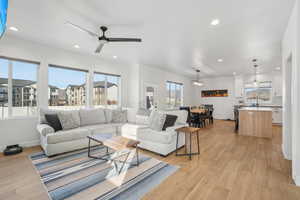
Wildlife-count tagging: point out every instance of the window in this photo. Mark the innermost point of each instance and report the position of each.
(106, 91)
(175, 94)
(66, 88)
(18, 88)
(261, 94)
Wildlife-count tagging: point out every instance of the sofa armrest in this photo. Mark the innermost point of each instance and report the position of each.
(44, 129)
(176, 126)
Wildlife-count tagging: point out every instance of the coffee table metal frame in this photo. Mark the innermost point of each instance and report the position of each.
(106, 156)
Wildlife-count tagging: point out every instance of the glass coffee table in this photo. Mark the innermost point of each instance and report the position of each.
(121, 145)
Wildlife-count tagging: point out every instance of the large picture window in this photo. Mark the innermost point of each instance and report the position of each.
(18, 88)
(66, 88)
(260, 94)
(175, 94)
(106, 91)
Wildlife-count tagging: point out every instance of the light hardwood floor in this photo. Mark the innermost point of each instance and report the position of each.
(230, 167)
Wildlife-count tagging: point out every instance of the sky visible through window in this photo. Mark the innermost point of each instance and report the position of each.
(61, 77)
(21, 70)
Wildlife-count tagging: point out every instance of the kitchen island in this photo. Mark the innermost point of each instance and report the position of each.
(255, 121)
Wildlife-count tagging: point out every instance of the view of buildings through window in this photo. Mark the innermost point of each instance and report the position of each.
(66, 88)
(18, 88)
(175, 94)
(106, 90)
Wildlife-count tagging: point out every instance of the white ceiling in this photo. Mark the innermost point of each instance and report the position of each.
(176, 34)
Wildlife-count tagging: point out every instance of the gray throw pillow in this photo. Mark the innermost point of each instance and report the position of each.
(68, 120)
(119, 116)
(157, 120)
(92, 116)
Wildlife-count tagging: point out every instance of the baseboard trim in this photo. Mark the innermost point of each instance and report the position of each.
(285, 155)
(31, 143)
(297, 180)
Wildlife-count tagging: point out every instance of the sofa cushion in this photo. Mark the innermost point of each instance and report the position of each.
(53, 121)
(142, 119)
(131, 130)
(143, 112)
(103, 128)
(157, 120)
(119, 116)
(44, 111)
(68, 135)
(68, 120)
(108, 115)
(139, 132)
(92, 116)
(161, 137)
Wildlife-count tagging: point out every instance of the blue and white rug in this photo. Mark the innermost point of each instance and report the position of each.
(74, 176)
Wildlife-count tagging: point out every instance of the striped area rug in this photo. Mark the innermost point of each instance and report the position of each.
(74, 176)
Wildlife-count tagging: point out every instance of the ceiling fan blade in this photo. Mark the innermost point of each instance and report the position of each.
(82, 29)
(124, 39)
(99, 48)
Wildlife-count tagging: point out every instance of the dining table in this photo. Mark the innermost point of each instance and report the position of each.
(198, 110)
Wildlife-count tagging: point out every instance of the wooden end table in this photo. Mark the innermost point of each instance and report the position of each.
(117, 143)
(188, 131)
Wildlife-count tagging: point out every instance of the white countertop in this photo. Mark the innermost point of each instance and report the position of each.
(256, 109)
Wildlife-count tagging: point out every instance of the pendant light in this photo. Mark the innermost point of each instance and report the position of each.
(255, 82)
(197, 82)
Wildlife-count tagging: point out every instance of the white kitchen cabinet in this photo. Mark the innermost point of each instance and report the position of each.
(239, 86)
(277, 85)
(277, 115)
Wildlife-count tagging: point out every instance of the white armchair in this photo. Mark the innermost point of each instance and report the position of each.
(161, 142)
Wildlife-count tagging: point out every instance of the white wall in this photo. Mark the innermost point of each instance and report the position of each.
(291, 48)
(22, 130)
(223, 106)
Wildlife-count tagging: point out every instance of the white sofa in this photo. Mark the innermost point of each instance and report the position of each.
(68, 140)
(163, 142)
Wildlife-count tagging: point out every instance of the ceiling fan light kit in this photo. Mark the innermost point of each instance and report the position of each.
(102, 38)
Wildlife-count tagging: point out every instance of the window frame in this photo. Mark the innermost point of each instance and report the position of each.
(105, 105)
(10, 88)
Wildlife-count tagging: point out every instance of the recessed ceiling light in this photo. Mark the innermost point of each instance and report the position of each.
(12, 28)
(278, 68)
(76, 46)
(215, 22)
(220, 60)
(234, 73)
(115, 57)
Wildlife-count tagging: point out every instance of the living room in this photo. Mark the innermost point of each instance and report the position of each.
(177, 92)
